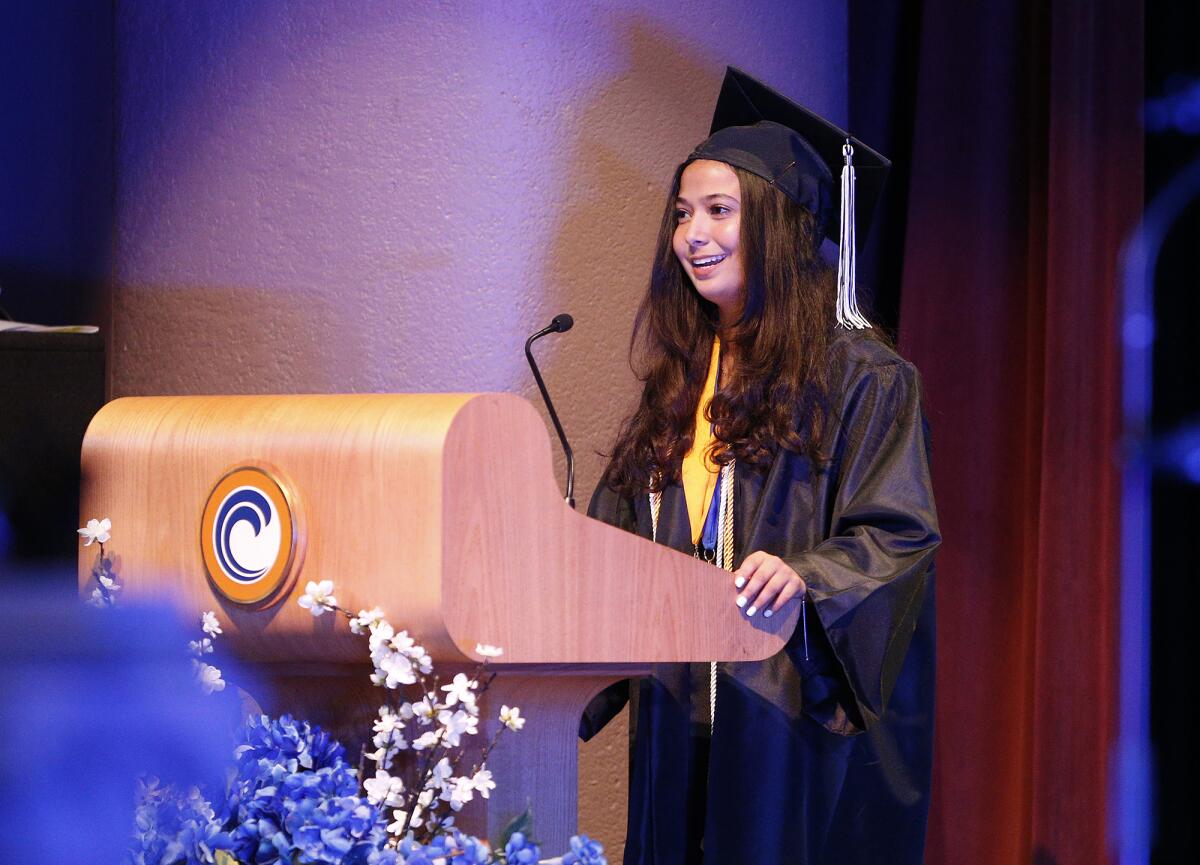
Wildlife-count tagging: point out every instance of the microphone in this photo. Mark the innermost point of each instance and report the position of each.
(561, 324)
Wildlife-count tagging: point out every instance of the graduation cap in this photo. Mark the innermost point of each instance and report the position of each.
(761, 131)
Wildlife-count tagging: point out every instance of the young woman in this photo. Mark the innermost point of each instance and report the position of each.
(786, 443)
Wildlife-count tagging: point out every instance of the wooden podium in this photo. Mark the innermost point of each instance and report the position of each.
(443, 510)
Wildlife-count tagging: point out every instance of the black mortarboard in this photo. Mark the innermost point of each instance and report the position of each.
(761, 131)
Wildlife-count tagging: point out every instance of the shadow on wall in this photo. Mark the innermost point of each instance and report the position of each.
(318, 152)
(622, 163)
(188, 315)
(247, 340)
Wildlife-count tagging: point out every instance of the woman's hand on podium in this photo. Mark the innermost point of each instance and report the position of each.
(765, 580)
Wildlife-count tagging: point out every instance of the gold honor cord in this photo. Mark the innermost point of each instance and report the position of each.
(724, 558)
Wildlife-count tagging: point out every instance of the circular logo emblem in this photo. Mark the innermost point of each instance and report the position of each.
(247, 535)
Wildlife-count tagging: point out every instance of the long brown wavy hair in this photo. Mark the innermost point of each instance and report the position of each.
(776, 395)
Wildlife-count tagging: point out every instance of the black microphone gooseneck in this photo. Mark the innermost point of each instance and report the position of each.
(561, 324)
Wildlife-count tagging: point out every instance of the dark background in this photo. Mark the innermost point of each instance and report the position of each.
(57, 122)
(57, 126)
(1172, 62)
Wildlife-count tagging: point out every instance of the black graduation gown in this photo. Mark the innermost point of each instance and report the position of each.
(818, 761)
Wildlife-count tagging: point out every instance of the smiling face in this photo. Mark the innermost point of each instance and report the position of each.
(707, 225)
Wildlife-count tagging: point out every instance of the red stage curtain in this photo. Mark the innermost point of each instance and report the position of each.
(1026, 178)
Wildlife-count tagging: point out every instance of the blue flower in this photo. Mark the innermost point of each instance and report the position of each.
(520, 849)
(290, 758)
(258, 840)
(344, 830)
(313, 813)
(285, 742)
(413, 853)
(294, 798)
(453, 848)
(172, 827)
(584, 851)
(321, 784)
(386, 856)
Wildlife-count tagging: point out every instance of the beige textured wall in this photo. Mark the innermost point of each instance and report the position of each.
(390, 196)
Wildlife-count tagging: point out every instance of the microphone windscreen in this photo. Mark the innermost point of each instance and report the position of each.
(562, 322)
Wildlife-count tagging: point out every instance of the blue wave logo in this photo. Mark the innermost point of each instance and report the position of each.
(246, 534)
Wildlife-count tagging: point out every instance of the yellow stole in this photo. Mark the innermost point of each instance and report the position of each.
(699, 471)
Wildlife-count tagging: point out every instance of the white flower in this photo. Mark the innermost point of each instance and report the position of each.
(426, 709)
(426, 740)
(511, 717)
(209, 678)
(393, 741)
(389, 730)
(423, 661)
(399, 670)
(383, 756)
(455, 724)
(381, 635)
(318, 597)
(461, 690)
(402, 642)
(459, 792)
(107, 581)
(435, 822)
(96, 530)
(384, 789)
(366, 620)
(483, 783)
(388, 721)
(201, 647)
(209, 624)
(98, 599)
(486, 651)
(440, 774)
(397, 826)
(423, 801)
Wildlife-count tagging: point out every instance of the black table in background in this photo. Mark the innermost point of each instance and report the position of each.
(51, 384)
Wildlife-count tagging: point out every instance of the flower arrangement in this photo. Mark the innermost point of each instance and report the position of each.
(291, 796)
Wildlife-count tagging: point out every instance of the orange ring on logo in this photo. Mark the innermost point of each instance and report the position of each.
(248, 566)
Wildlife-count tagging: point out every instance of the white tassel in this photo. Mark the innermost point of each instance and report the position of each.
(724, 559)
(848, 315)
